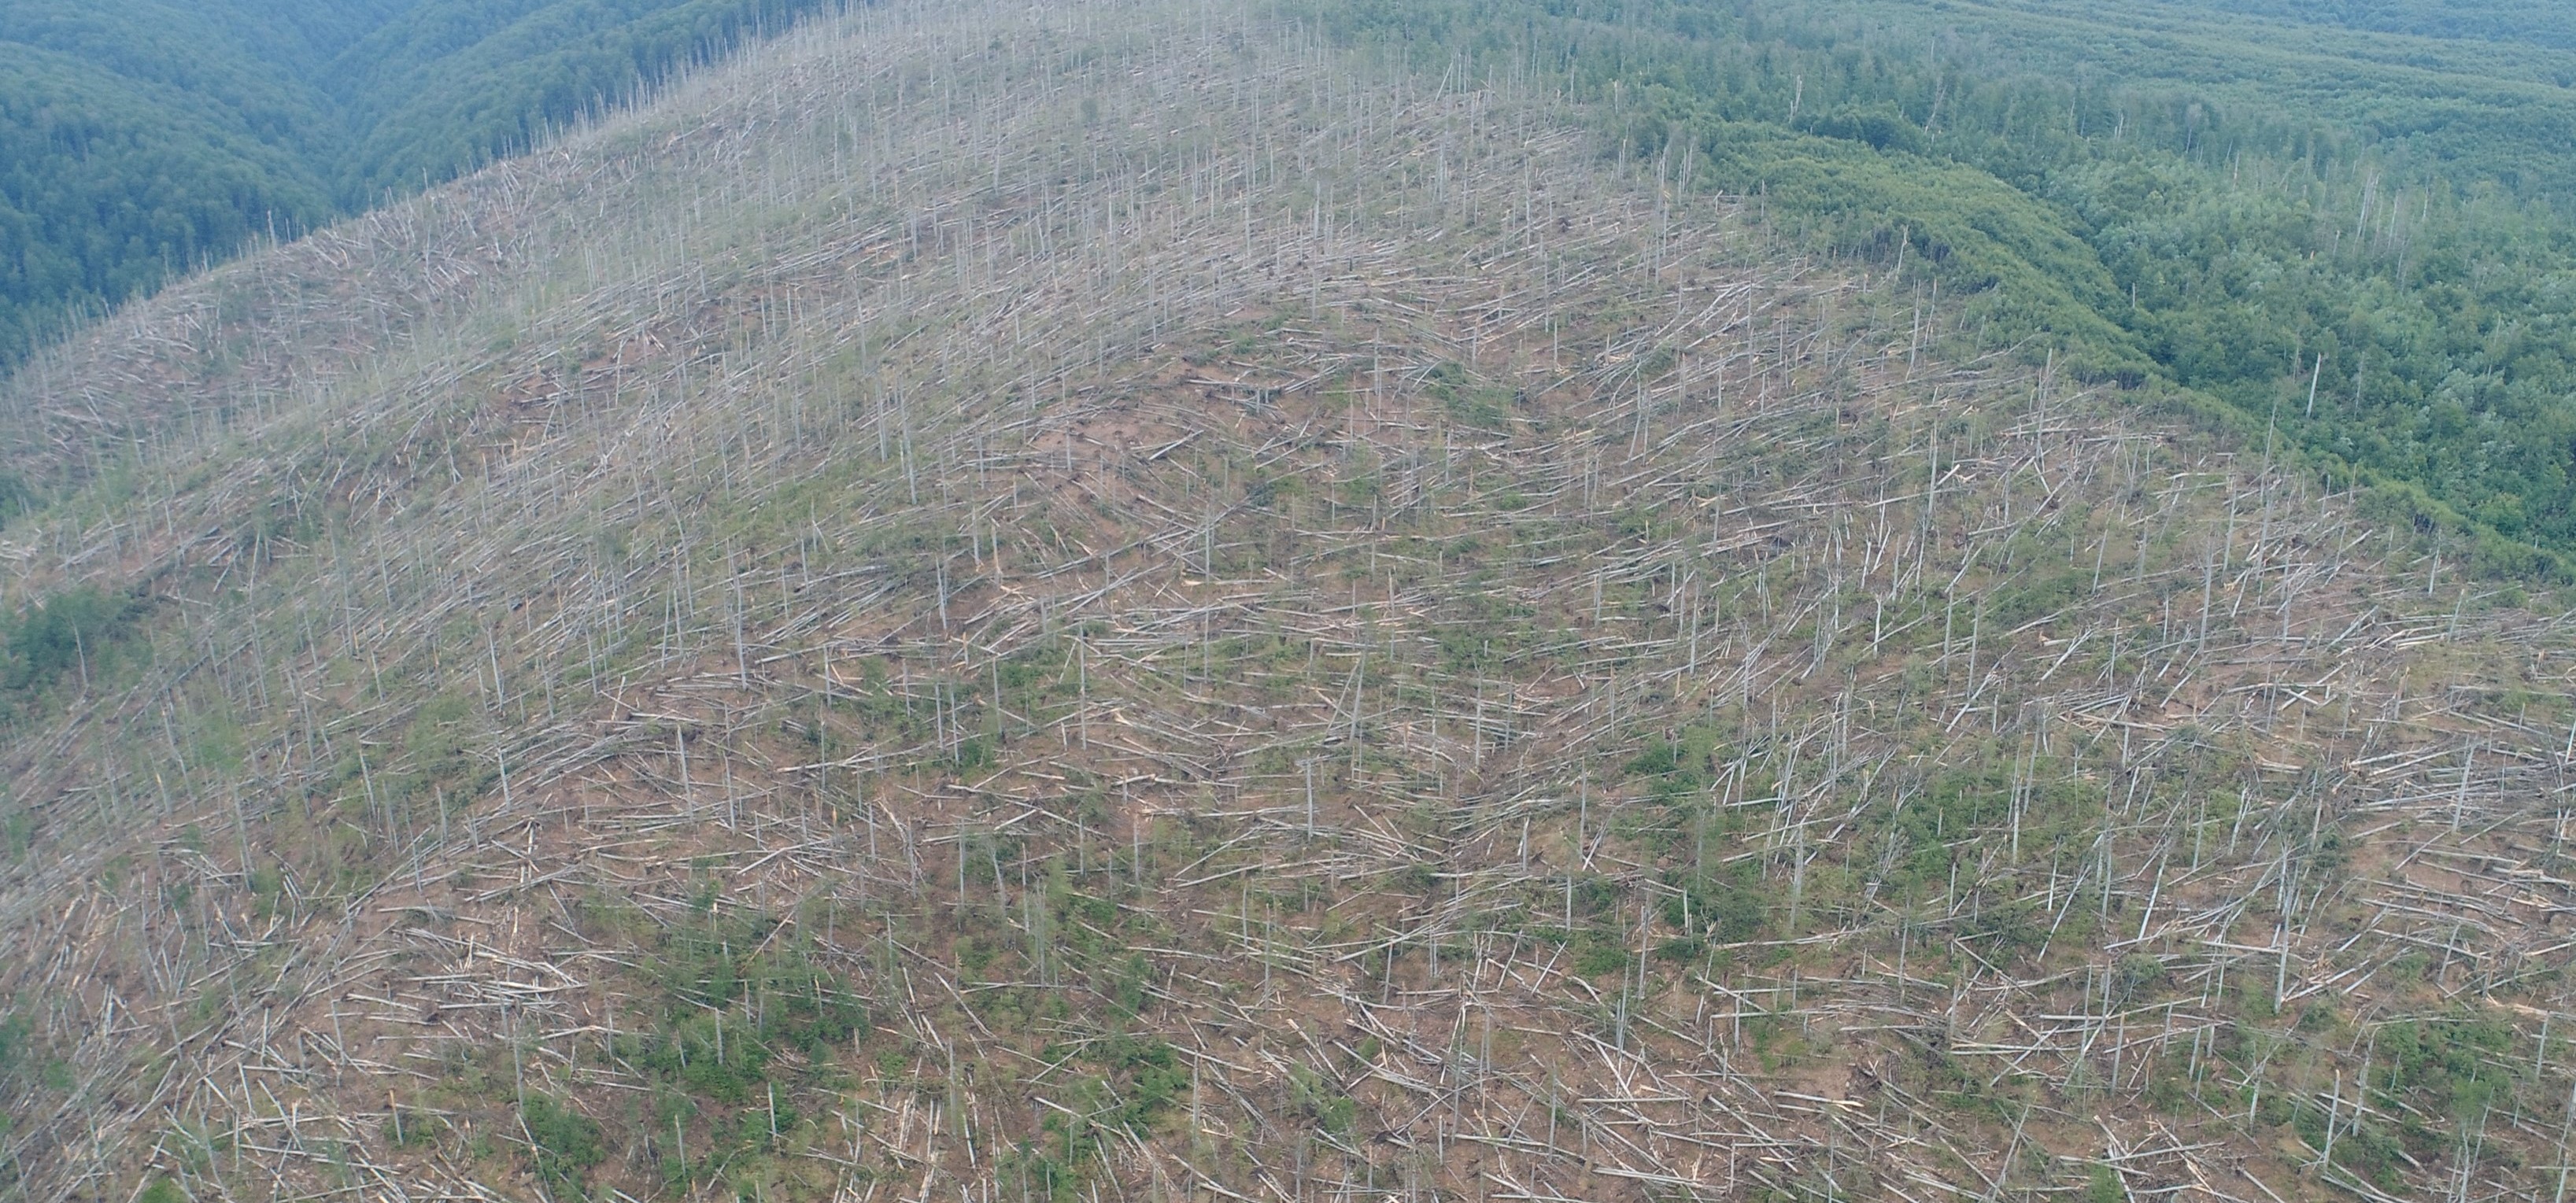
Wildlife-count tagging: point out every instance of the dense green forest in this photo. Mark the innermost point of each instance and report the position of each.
(139, 138)
(2350, 225)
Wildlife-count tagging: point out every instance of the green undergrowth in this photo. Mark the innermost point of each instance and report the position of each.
(1131, 1083)
(564, 1143)
(79, 638)
(743, 1033)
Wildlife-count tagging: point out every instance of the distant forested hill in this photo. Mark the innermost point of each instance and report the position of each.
(2538, 22)
(138, 138)
(2348, 227)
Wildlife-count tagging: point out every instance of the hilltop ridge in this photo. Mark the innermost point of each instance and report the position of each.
(1122, 602)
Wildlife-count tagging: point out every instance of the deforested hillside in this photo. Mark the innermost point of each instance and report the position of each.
(1114, 602)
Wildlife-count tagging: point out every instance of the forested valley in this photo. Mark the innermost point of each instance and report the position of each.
(141, 139)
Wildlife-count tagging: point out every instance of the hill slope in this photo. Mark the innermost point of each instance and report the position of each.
(1110, 603)
(139, 140)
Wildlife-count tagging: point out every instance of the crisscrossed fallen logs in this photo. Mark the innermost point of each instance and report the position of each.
(1274, 656)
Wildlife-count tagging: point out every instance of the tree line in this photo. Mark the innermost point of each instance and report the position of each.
(2348, 229)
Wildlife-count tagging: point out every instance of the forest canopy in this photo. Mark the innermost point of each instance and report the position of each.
(140, 139)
